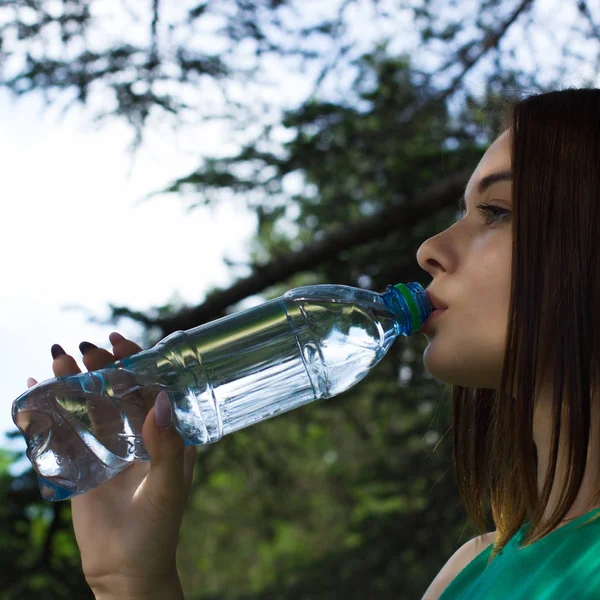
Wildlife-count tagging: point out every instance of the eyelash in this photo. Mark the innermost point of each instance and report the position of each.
(494, 212)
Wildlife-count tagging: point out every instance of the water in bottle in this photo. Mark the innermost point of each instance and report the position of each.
(313, 342)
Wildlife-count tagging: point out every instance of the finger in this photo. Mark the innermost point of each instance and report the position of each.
(63, 363)
(101, 414)
(31, 382)
(105, 413)
(139, 399)
(95, 358)
(164, 486)
(122, 347)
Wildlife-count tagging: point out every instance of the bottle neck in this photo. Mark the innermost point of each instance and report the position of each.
(409, 305)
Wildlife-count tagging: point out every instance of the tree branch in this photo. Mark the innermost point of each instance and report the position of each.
(585, 11)
(154, 60)
(404, 216)
(488, 42)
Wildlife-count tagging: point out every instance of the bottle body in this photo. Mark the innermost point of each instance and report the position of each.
(312, 342)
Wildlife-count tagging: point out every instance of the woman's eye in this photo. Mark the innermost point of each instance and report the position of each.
(493, 213)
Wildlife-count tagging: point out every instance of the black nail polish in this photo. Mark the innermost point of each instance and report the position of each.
(86, 347)
(56, 351)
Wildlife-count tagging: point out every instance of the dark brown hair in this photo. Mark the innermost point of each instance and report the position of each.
(554, 318)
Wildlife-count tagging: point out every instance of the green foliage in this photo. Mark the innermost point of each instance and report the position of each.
(347, 498)
(338, 499)
(37, 546)
(342, 498)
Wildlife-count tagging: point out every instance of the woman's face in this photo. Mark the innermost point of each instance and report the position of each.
(470, 263)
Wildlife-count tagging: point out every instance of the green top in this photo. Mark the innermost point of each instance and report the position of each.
(563, 565)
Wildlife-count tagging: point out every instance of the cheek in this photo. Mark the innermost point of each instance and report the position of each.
(467, 345)
(489, 284)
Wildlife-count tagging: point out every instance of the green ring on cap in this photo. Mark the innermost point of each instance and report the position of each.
(412, 305)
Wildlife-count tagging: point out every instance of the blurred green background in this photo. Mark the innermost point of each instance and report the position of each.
(352, 497)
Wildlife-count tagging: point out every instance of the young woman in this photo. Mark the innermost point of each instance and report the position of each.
(519, 340)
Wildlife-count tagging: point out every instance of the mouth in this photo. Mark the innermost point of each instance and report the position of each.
(437, 304)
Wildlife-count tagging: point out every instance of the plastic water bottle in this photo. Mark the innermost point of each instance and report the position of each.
(313, 342)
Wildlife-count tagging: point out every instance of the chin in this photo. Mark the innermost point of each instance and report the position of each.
(452, 373)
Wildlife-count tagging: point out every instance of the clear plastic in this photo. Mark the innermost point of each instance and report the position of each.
(313, 342)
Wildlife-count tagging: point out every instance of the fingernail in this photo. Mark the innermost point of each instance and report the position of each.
(115, 337)
(56, 351)
(86, 347)
(162, 411)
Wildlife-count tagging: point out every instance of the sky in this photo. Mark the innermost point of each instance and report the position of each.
(73, 235)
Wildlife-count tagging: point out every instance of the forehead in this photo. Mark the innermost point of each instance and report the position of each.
(496, 158)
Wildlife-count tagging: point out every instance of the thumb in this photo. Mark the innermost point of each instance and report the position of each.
(165, 481)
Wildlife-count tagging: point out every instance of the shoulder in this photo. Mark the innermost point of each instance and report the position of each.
(456, 563)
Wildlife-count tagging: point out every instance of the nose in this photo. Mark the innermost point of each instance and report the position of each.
(428, 257)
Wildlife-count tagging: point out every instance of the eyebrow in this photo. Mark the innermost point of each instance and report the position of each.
(483, 185)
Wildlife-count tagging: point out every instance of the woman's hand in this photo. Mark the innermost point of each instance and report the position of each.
(127, 528)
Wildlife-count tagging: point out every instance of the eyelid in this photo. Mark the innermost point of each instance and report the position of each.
(505, 204)
(484, 203)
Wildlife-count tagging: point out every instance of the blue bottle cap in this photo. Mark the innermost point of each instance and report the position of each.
(412, 305)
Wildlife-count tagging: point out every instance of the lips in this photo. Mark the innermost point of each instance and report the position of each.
(437, 304)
